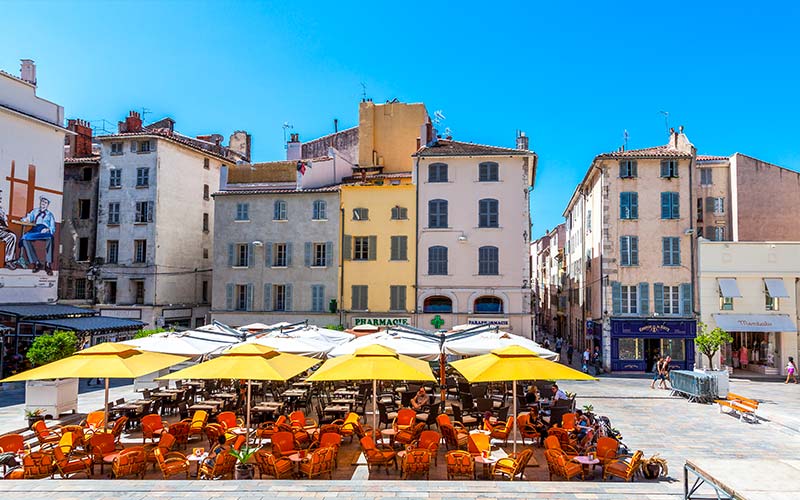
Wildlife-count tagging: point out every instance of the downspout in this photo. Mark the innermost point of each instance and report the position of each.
(341, 263)
(606, 355)
(692, 234)
(416, 244)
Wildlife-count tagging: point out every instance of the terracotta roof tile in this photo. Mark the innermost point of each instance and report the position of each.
(370, 177)
(444, 147)
(264, 172)
(250, 189)
(665, 151)
(711, 158)
(84, 159)
(203, 147)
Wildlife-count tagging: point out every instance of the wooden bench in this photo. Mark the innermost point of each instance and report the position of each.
(740, 405)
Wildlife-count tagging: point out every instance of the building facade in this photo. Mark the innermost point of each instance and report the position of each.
(473, 262)
(550, 300)
(156, 221)
(750, 290)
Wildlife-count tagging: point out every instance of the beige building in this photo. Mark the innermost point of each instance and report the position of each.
(750, 290)
(547, 255)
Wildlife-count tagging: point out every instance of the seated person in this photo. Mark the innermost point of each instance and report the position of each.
(558, 393)
(532, 396)
(582, 424)
(220, 448)
(420, 399)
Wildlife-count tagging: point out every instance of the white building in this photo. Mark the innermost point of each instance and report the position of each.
(155, 221)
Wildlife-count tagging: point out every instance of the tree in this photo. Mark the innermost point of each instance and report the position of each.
(52, 347)
(709, 342)
(146, 333)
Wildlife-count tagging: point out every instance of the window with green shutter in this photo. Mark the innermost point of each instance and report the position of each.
(669, 168)
(397, 298)
(671, 251)
(359, 300)
(670, 205)
(628, 169)
(644, 299)
(629, 205)
(399, 250)
(629, 250)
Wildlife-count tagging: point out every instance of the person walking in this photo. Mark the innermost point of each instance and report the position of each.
(597, 362)
(658, 369)
(586, 357)
(791, 371)
(570, 352)
(665, 372)
(559, 345)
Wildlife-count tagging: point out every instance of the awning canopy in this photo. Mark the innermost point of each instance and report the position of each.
(43, 311)
(728, 288)
(93, 324)
(755, 322)
(776, 288)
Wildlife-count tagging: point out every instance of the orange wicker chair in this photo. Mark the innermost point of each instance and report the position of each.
(460, 464)
(69, 460)
(377, 456)
(320, 462)
(267, 464)
(606, 450)
(526, 430)
(228, 420)
(559, 465)
(101, 445)
(78, 436)
(172, 463)
(213, 432)
(130, 461)
(417, 461)
(406, 417)
(552, 442)
(329, 440)
(511, 467)
(429, 440)
(453, 439)
(118, 427)
(283, 444)
(623, 469)
(152, 427)
(94, 421)
(165, 444)
(478, 443)
(410, 434)
(267, 429)
(35, 465)
(180, 431)
(568, 421)
(45, 436)
(503, 431)
(198, 423)
(299, 419)
(223, 466)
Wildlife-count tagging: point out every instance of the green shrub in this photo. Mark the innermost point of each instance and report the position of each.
(52, 347)
(146, 333)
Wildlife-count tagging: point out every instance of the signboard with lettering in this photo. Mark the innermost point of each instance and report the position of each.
(378, 321)
(501, 322)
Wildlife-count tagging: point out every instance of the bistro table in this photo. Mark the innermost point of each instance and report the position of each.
(388, 434)
(297, 460)
(337, 410)
(294, 393)
(585, 462)
(197, 459)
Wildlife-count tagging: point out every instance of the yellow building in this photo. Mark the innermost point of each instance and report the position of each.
(388, 134)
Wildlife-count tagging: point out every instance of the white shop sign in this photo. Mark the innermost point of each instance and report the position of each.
(501, 322)
(378, 321)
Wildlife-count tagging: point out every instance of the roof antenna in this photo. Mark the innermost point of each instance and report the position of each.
(145, 112)
(286, 126)
(363, 92)
(625, 137)
(666, 120)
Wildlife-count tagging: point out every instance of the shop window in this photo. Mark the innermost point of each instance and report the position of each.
(488, 305)
(726, 303)
(772, 303)
(674, 348)
(631, 349)
(437, 304)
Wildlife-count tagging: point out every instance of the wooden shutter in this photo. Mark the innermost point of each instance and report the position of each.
(393, 297)
(267, 296)
(676, 251)
(634, 204)
(624, 249)
(709, 205)
(394, 248)
(231, 250)
(685, 293)
(287, 297)
(354, 297)
(347, 247)
(664, 168)
(401, 298)
(622, 170)
(644, 299)
(328, 253)
(267, 253)
(307, 259)
(666, 211)
(289, 252)
(676, 212)
(249, 296)
(623, 206)
(251, 255)
(404, 248)
(634, 169)
(665, 252)
(372, 251)
(658, 298)
(616, 297)
(634, 250)
(151, 209)
(229, 296)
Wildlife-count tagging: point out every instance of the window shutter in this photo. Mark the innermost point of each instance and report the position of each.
(287, 297)
(373, 248)
(347, 247)
(665, 252)
(634, 204)
(644, 299)
(267, 296)
(354, 297)
(393, 299)
(686, 299)
(676, 212)
(664, 168)
(289, 252)
(133, 146)
(616, 296)
(634, 249)
(622, 169)
(249, 296)
(658, 298)
(710, 234)
(404, 248)
(634, 169)
(231, 250)
(623, 214)
(624, 249)
(251, 255)
(665, 205)
(401, 298)
(676, 251)
(267, 253)
(150, 210)
(328, 253)
(709, 205)
(229, 296)
(307, 254)
(393, 252)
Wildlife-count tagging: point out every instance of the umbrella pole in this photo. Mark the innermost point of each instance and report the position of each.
(247, 417)
(442, 379)
(514, 406)
(374, 405)
(105, 408)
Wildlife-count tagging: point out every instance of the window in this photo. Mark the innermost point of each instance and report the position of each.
(206, 164)
(399, 250)
(80, 288)
(631, 349)
(318, 298)
(488, 213)
(437, 213)
(437, 172)
(110, 289)
(204, 292)
(361, 248)
(669, 168)
(320, 210)
(629, 302)
(671, 251)
(205, 253)
(113, 213)
(399, 213)
(671, 299)
(320, 255)
(488, 172)
(629, 205)
(138, 291)
(706, 177)
(279, 297)
(771, 303)
(725, 303)
(279, 212)
(488, 305)
(242, 211)
(437, 304)
(670, 205)
(240, 299)
(142, 177)
(139, 251)
(279, 255)
(629, 250)
(397, 298)
(588, 221)
(144, 212)
(359, 300)
(719, 233)
(674, 348)
(205, 223)
(437, 261)
(628, 169)
(144, 147)
(719, 206)
(83, 249)
(700, 210)
(116, 148)
(360, 214)
(112, 251)
(206, 194)
(242, 255)
(114, 178)
(86, 174)
(488, 258)
(84, 209)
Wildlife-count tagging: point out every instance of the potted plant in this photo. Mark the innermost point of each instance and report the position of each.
(34, 416)
(709, 343)
(654, 467)
(243, 469)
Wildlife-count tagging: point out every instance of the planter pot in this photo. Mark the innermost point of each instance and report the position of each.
(33, 420)
(53, 397)
(245, 471)
(651, 471)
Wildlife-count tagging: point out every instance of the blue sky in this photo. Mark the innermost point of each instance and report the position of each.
(572, 77)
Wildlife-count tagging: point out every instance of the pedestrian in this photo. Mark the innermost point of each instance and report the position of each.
(559, 345)
(665, 372)
(586, 359)
(570, 352)
(658, 368)
(546, 343)
(743, 357)
(791, 371)
(597, 360)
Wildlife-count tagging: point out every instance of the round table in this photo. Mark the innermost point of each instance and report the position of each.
(297, 460)
(585, 462)
(197, 459)
(389, 434)
(486, 461)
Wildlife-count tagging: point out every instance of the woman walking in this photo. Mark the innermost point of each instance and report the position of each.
(791, 371)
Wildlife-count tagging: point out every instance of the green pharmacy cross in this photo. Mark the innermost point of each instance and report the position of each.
(437, 322)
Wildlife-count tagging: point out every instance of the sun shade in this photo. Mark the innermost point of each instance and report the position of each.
(728, 287)
(776, 288)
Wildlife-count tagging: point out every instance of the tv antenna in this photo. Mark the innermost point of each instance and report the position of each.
(438, 116)
(363, 92)
(666, 120)
(286, 126)
(145, 112)
(625, 137)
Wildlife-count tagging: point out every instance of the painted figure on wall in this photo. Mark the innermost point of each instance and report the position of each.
(8, 237)
(42, 225)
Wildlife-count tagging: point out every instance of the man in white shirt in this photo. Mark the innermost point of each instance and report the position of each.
(586, 355)
(558, 393)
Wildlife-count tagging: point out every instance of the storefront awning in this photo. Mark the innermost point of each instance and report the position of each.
(755, 322)
(728, 288)
(775, 287)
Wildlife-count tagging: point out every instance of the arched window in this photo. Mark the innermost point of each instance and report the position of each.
(488, 261)
(488, 172)
(320, 211)
(437, 260)
(437, 304)
(488, 305)
(437, 213)
(488, 213)
(437, 172)
(280, 210)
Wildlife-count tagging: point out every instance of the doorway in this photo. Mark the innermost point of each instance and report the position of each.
(652, 350)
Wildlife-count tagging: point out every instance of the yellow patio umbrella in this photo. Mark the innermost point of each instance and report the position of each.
(514, 363)
(374, 362)
(107, 360)
(247, 362)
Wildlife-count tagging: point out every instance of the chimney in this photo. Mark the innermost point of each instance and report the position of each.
(240, 142)
(132, 123)
(80, 145)
(28, 71)
(522, 141)
(294, 148)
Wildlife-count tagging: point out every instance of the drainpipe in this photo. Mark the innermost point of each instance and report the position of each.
(692, 235)
(341, 260)
(416, 244)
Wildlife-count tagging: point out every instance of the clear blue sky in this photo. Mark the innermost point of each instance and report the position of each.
(572, 77)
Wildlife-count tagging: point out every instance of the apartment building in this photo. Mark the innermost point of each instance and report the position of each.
(548, 271)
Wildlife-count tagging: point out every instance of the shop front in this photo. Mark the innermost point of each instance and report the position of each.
(758, 341)
(637, 343)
